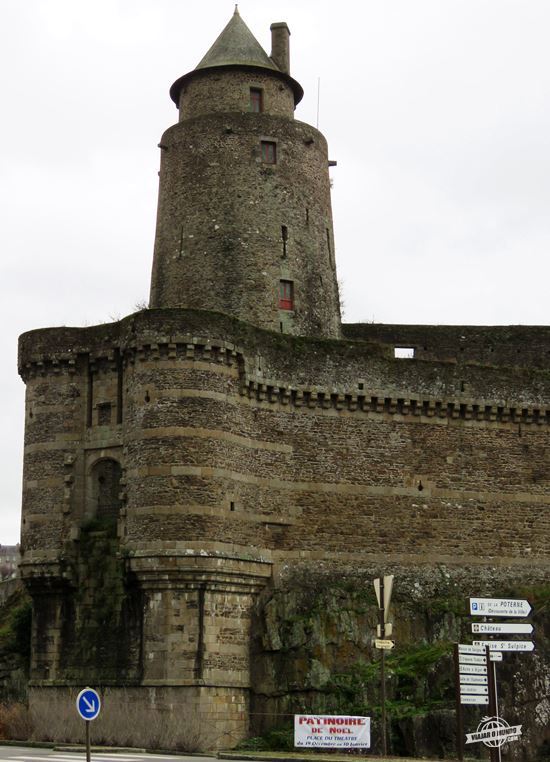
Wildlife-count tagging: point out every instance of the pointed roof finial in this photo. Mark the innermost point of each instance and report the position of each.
(236, 45)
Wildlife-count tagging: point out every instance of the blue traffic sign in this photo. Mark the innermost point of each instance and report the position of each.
(88, 704)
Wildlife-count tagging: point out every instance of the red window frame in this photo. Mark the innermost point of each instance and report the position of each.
(286, 295)
(256, 100)
(269, 152)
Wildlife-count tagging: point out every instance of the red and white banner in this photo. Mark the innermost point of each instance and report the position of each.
(331, 731)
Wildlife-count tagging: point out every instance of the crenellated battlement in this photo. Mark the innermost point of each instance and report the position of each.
(523, 405)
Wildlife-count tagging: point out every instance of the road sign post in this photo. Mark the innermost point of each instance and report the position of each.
(88, 745)
(459, 710)
(510, 608)
(88, 706)
(383, 588)
(494, 752)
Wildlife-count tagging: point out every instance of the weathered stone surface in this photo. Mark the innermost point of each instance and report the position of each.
(313, 651)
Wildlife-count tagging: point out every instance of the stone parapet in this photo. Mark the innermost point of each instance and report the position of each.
(223, 572)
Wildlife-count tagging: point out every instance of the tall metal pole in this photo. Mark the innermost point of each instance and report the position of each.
(88, 754)
(494, 678)
(459, 710)
(381, 613)
(494, 752)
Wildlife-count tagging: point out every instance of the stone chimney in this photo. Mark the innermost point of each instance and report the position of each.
(280, 45)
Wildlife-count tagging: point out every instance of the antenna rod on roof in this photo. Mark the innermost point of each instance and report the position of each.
(318, 98)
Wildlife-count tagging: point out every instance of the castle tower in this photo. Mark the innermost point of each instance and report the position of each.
(244, 223)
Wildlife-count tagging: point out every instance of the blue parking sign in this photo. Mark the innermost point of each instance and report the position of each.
(88, 704)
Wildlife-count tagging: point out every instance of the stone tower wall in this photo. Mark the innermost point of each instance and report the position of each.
(230, 226)
(211, 92)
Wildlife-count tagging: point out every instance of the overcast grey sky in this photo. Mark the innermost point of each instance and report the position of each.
(437, 111)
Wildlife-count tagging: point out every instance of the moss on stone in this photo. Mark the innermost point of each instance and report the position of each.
(15, 625)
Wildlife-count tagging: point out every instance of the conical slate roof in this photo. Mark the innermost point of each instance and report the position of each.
(236, 45)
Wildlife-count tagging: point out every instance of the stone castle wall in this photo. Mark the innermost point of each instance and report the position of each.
(246, 458)
(505, 346)
(280, 444)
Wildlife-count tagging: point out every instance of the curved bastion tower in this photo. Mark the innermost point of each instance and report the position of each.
(211, 484)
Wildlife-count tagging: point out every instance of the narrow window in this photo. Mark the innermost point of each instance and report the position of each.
(284, 236)
(181, 242)
(256, 100)
(403, 353)
(329, 247)
(119, 386)
(286, 295)
(104, 414)
(105, 489)
(89, 396)
(269, 152)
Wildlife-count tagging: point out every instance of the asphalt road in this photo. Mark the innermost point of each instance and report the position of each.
(26, 754)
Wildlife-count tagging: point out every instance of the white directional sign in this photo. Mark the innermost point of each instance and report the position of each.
(473, 680)
(495, 656)
(510, 607)
(481, 690)
(385, 645)
(506, 628)
(507, 645)
(474, 700)
(465, 648)
(471, 659)
(472, 669)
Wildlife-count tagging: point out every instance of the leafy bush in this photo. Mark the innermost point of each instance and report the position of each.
(15, 625)
(281, 739)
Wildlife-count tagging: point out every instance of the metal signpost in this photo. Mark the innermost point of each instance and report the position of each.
(383, 588)
(88, 706)
(493, 731)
